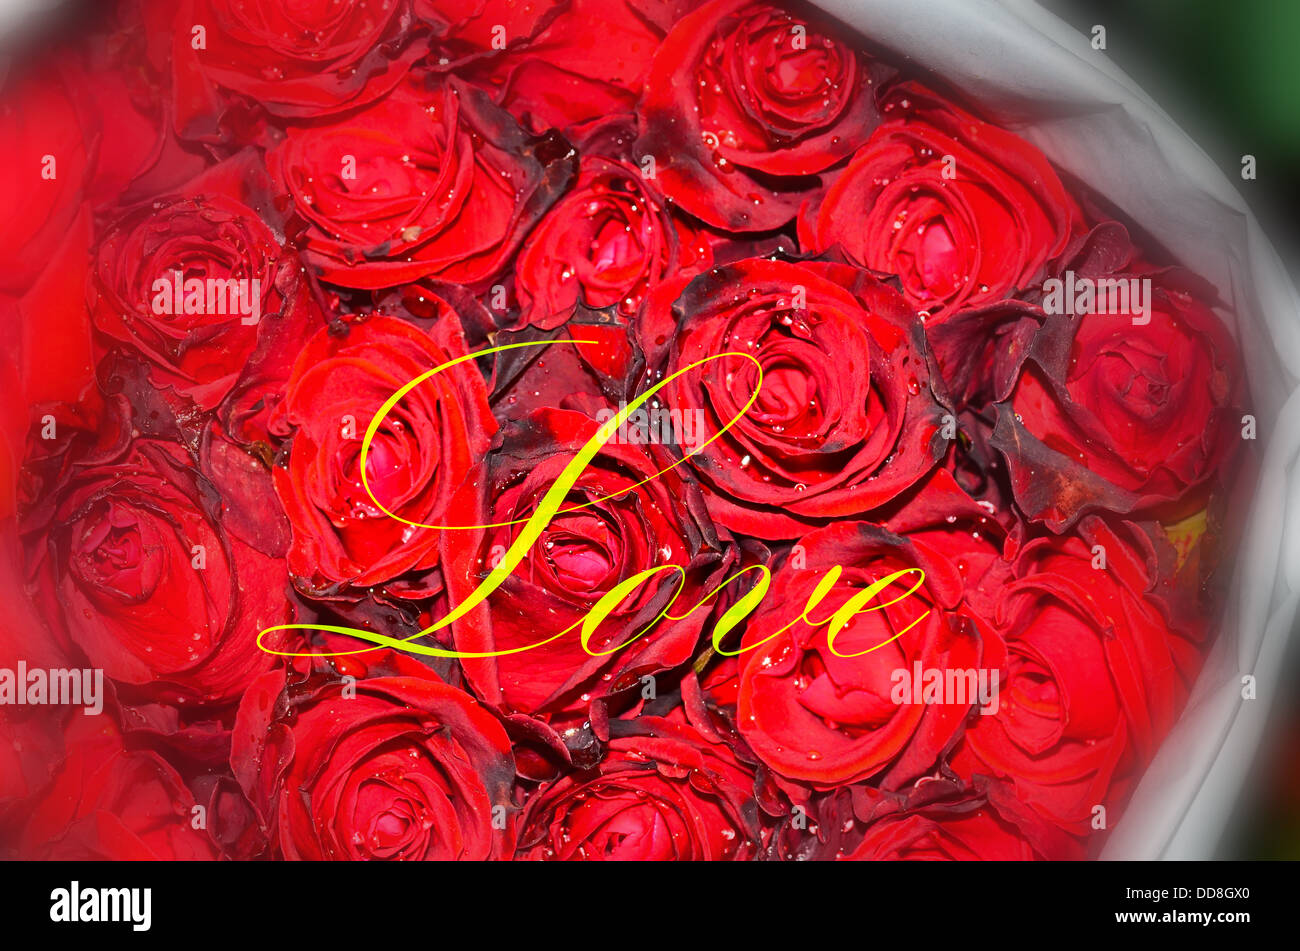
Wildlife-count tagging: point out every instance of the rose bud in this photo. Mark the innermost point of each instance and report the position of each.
(847, 416)
(384, 768)
(965, 213)
(661, 793)
(745, 104)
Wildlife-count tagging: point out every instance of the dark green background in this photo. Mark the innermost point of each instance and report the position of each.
(1228, 70)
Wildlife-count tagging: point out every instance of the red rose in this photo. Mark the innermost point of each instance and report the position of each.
(486, 28)
(846, 418)
(612, 525)
(111, 804)
(589, 60)
(604, 245)
(300, 61)
(826, 720)
(195, 282)
(151, 579)
(420, 454)
(393, 768)
(944, 823)
(429, 182)
(745, 104)
(1093, 678)
(963, 212)
(662, 792)
(1109, 414)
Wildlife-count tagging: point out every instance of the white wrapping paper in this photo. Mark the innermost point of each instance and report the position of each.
(1042, 79)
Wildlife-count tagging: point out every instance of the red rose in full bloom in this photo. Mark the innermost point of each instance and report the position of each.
(1093, 677)
(569, 62)
(612, 525)
(847, 416)
(662, 792)
(424, 449)
(826, 720)
(195, 282)
(301, 61)
(963, 212)
(745, 104)
(433, 181)
(1110, 414)
(108, 803)
(151, 579)
(407, 768)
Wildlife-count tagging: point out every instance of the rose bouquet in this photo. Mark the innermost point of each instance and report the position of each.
(607, 429)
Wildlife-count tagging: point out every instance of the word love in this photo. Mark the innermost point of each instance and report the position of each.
(860, 601)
